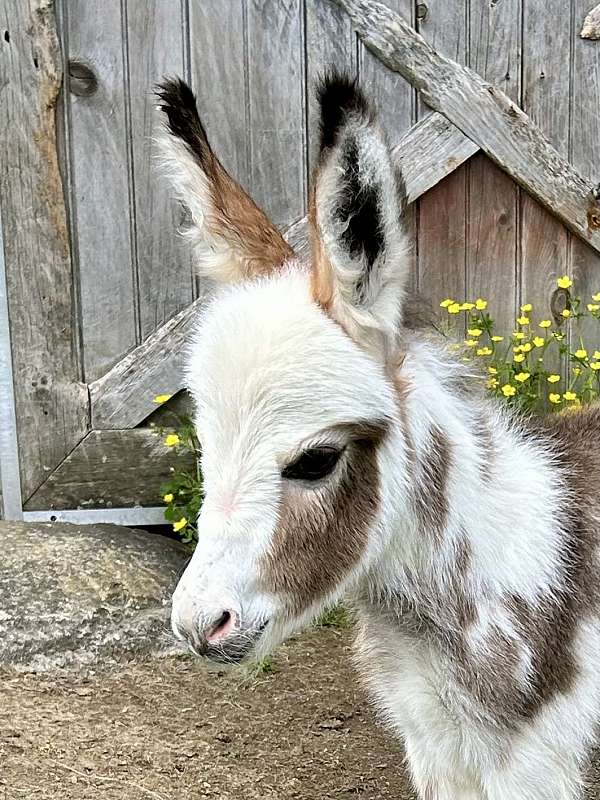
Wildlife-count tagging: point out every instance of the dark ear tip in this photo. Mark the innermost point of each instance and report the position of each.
(174, 93)
(339, 96)
(178, 102)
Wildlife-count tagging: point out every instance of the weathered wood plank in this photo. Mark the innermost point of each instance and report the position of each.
(544, 242)
(483, 113)
(155, 39)
(442, 245)
(51, 403)
(101, 186)
(591, 24)
(493, 207)
(585, 147)
(123, 396)
(276, 100)
(111, 469)
(219, 79)
(330, 42)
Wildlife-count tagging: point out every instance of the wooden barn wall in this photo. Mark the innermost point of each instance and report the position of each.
(252, 64)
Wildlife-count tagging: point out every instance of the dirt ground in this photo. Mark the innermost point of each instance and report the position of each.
(172, 730)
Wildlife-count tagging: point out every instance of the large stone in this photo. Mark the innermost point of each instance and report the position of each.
(84, 595)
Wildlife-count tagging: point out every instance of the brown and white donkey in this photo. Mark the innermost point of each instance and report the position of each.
(344, 454)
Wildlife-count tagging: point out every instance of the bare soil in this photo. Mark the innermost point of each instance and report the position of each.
(173, 729)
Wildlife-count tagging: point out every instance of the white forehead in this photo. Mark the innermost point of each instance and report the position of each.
(266, 359)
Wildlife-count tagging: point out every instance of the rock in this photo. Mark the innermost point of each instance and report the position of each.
(84, 595)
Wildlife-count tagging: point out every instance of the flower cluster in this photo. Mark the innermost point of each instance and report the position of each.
(539, 366)
(182, 493)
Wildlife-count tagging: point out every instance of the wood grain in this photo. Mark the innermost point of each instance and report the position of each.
(493, 207)
(155, 42)
(483, 113)
(51, 403)
(544, 243)
(101, 185)
(442, 238)
(111, 469)
(277, 127)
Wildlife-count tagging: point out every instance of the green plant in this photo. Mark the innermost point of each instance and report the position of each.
(523, 367)
(182, 493)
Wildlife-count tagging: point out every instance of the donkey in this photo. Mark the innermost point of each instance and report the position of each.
(344, 453)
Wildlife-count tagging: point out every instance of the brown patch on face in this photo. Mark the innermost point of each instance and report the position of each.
(430, 498)
(323, 531)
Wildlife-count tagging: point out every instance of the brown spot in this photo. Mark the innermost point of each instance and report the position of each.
(430, 500)
(593, 217)
(323, 532)
(238, 220)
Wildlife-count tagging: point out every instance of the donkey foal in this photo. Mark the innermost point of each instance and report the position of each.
(345, 454)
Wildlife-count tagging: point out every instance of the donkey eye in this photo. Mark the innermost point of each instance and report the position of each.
(313, 464)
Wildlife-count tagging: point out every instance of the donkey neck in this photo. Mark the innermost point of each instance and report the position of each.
(472, 492)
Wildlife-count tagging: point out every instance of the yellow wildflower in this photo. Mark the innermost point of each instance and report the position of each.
(180, 524)
(471, 342)
(566, 313)
(581, 353)
(595, 365)
(159, 399)
(453, 308)
(526, 348)
(508, 390)
(168, 498)
(565, 282)
(538, 341)
(558, 336)
(596, 355)
(553, 378)
(518, 335)
(484, 351)
(519, 358)
(545, 323)
(554, 398)
(497, 338)
(475, 332)
(596, 297)
(593, 307)
(492, 370)
(172, 440)
(523, 321)
(480, 304)
(522, 377)
(576, 370)
(492, 383)
(570, 396)
(527, 308)
(445, 303)
(517, 349)
(467, 306)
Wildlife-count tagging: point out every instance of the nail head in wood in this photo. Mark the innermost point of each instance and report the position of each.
(82, 79)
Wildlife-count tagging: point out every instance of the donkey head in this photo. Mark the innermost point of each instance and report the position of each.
(292, 370)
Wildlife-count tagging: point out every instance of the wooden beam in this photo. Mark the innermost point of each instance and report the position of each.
(50, 402)
(484, 114)
(591, 25)
(111, 468)
(123, 397)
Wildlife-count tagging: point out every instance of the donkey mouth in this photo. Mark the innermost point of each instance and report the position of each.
(226, 645)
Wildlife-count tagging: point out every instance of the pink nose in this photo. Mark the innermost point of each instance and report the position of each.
(201, 638)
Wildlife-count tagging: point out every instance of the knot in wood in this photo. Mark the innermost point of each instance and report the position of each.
(422, 11)
(82, 79)
(561, 299)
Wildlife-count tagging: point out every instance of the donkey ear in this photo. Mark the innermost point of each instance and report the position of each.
(232, 238)
(359, 247)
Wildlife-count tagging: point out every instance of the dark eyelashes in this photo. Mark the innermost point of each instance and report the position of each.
(313, 464)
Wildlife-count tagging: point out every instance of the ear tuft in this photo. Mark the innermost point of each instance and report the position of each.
(232, 238)
(339, 97)
(178, 102)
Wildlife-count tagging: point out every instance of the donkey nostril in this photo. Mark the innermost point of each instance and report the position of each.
(222, 627)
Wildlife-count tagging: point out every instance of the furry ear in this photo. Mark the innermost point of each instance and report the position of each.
(232, 238)
(360, 262)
